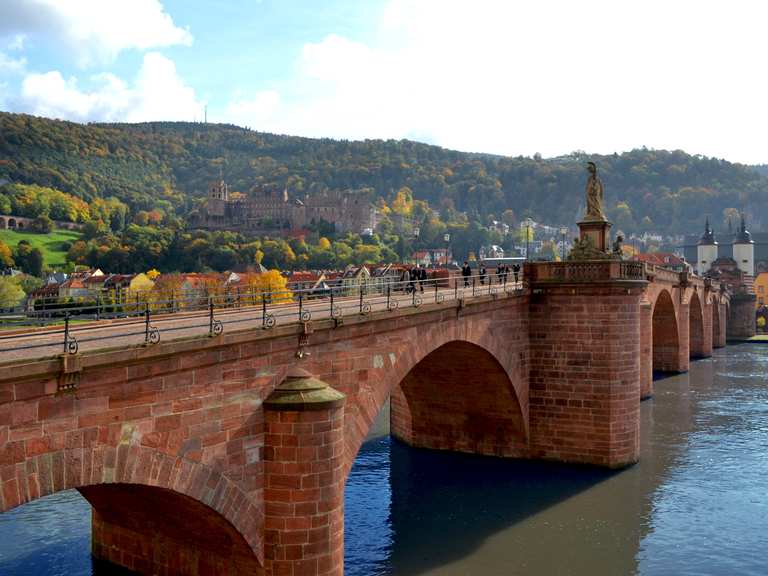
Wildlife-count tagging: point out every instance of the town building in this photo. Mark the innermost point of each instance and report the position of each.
(666, 260)
(761, 288)
(270, 208)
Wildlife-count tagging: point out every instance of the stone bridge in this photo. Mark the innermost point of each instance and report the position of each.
(12, 222)
(229, 455)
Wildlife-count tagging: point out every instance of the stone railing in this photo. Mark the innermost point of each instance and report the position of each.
(660, 273)
(587, 271)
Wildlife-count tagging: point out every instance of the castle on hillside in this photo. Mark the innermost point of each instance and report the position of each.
(269, 209)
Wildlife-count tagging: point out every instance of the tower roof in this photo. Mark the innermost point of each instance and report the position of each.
(743, 236)
(708, 238)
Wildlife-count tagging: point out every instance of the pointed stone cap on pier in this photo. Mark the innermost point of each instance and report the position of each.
(301, 391)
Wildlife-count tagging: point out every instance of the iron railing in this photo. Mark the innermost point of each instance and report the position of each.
(64, 328)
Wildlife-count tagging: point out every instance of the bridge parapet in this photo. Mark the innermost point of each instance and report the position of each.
(587, 271)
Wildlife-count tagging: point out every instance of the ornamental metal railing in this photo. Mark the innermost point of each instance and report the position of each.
(50, 327)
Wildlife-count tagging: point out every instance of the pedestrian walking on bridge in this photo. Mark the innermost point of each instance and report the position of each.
(466, 272)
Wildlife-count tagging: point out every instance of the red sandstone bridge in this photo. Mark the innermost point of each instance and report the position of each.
(226, 452)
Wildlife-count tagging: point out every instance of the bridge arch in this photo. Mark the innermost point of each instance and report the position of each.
(696, 327)
(459, 398)
(3, 223)
(11, 223)
(666, 335)
(172, 505)
(432, 364)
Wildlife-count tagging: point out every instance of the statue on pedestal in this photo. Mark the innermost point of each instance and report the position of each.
(594, 194)
(594, 231)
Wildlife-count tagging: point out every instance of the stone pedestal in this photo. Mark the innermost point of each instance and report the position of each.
(304, 478)
(597, 232)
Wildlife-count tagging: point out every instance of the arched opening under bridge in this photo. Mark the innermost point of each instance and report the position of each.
(459, 398)
(666, 339)
(696, 327)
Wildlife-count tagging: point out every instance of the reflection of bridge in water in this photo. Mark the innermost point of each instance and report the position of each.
(243, 458)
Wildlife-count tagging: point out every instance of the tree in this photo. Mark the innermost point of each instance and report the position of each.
(6, 256)
(11, 293)
(271, 282)
(94, 229)
(29, 259)
(78, 253)
(364, 254)
(42, 225)
(403, 202)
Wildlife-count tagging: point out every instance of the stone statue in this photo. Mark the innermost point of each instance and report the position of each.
(617, 245)
(594, 194)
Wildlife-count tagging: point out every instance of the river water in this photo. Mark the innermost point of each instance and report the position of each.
(696, 504)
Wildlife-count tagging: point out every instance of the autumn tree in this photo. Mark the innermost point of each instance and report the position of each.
(6, 256)
(11, 293)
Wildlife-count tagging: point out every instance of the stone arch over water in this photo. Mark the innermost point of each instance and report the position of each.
(696, 328)
(666, 335)
(459, 398)
(180, 516)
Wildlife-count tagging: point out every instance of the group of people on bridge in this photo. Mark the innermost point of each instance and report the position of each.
(502, 273)
(414, 279)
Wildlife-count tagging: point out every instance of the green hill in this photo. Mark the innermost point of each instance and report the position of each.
(168, 165)
(54, 246)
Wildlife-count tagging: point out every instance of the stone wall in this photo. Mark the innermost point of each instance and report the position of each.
(585, 373)
(741, 322)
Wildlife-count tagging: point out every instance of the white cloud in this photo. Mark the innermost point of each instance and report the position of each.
(95, 30)
(11, 65)
(158, 93)
(521, 77)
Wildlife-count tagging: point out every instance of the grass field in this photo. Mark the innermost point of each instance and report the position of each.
(53, 245)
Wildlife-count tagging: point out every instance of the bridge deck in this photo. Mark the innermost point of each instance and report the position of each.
(132, 332)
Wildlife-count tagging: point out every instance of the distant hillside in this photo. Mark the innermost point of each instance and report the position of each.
(168, 166)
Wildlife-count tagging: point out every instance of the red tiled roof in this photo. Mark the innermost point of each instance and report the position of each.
(46, 290)
(304, 277)
(661, 259)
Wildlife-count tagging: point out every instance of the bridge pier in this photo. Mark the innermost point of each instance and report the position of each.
(646, 350)
(741, 318)
(585, 362)
(719, 319)
(304, 478)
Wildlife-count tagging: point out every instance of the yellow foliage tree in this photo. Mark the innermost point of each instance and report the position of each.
(153, 274)
(6, 256)
(324, 243)
(272, 283)
(403, 202)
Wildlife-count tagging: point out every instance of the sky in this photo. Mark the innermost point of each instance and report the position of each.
(511, 77)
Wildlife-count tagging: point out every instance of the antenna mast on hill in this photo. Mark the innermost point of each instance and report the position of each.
(205, 114)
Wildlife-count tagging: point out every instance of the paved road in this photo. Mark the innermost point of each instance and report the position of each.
(132, 332)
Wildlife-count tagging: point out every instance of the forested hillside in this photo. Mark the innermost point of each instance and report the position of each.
(166, 167)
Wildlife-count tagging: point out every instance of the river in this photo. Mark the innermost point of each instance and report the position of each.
(697, 503)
